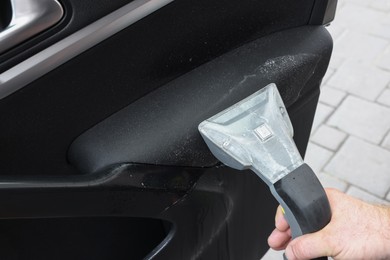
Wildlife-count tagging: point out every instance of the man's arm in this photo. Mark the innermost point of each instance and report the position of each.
(357, 230)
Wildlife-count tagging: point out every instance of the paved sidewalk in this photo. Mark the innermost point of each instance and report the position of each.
(349, 147)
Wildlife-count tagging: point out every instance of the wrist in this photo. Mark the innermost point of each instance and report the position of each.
(385, 214)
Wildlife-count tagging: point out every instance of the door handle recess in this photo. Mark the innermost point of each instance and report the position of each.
(29, 17)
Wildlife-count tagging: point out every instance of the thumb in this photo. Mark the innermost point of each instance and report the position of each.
(308, 246)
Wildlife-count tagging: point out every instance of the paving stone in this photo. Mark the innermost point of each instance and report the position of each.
(386, 142)
(365, 196)
(358, 2)
(386, 19)
(384, 98)
(329, 181)
(362, 19)
(380, 5)
(328, 74)
(382, 27)
(335, 62)
(384, 59)
(335, 30)
(317, 156)
(273, 255)
(358, 46)
(331, 96)
(361, 118)
(322, 114)
(360, 79)
(363, 165)
(381, 30)
(329, 137)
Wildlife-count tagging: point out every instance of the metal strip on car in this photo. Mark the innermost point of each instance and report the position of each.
(29, 17)
(52, 57)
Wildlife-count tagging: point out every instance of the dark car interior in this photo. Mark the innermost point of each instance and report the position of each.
(100, 156)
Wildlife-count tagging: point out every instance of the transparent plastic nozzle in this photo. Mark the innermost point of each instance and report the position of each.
(256, 134)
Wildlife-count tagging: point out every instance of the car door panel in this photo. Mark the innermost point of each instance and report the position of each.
(161, 127)
(147, 55)
(104, 144)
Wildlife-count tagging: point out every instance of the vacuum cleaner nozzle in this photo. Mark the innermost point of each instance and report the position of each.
(256, 134)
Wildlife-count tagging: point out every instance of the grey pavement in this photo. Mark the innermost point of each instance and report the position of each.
(349, 148)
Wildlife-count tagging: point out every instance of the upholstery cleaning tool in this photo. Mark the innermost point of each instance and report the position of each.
(256, 133)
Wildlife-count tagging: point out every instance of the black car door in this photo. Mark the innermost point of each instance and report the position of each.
(99, 107)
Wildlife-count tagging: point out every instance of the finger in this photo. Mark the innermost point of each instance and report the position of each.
(308, 247)
(278, 240)
(280, 222)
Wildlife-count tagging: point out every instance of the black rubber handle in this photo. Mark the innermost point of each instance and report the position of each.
(304, 201)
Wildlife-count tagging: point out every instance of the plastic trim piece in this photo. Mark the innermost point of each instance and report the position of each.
(28, 19)
(323, 12)
(142, 132)
(36, 66)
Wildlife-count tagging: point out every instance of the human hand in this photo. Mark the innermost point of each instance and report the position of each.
(357, 230)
